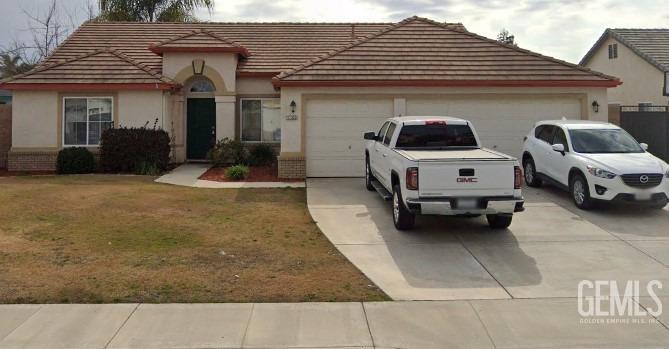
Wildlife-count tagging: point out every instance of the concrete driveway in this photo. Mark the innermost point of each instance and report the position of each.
(545, 253)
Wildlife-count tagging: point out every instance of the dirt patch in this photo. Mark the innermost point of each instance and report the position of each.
(257, 174)
(97, 238)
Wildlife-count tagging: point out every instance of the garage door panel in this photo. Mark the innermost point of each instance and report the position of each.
(501, 123)
(334, 130)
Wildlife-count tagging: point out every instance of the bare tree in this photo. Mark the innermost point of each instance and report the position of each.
(47, 30)
(506, 38)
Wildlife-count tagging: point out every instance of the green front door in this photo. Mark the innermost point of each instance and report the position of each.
(201, 127)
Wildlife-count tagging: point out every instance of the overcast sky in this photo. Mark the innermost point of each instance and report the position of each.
(564, 29)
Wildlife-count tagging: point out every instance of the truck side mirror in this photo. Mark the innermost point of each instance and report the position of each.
(644, 146)
(370, 136)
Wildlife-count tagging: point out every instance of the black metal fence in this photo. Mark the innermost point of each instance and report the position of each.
(648, 124)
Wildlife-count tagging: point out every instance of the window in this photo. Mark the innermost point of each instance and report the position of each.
(382, 131)
(389, 134)
(613, 51)
(85, 119)
(606, 141)
(560, 138)
(436, 136)
(202, 85)
(261, 120)
(546, 133)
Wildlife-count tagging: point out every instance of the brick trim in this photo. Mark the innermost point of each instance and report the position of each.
(292, 167)
(32, 160)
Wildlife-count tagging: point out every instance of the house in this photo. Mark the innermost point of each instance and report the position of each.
(311, 89)
(640, 58)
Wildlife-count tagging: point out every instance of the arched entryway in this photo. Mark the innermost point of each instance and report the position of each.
(200, 117)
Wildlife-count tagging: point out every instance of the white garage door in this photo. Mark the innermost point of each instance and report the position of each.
(334, 128)
(501, 123)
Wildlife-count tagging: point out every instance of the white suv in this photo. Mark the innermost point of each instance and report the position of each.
(594, 161)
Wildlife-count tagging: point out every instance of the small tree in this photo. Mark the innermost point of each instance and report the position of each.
(506, 38)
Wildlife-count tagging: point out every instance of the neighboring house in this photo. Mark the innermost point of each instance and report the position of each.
(309, 88)
(640, 58)
(5, 97)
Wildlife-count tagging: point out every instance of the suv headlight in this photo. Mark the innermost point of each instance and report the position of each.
(598, 172)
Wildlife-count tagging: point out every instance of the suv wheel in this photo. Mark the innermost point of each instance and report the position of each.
(403, 218)
(531, 173)
(580, 192)
(369, 177)
(499, 221)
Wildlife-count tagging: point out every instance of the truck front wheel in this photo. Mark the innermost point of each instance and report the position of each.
(369, 177)
(499, 221)
(403, 218)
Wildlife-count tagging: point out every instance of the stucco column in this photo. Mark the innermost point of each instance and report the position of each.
(225, 117)
(177, 127)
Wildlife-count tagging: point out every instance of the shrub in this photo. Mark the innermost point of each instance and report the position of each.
(237, 172)
(147, 169)
(227, 152)
(261, 155)
(133, 150)
(75, 160)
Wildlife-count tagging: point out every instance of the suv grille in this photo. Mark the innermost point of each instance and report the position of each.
(642, 180)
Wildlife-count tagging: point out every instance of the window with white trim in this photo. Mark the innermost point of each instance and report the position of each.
(260, 119)
(85, 118)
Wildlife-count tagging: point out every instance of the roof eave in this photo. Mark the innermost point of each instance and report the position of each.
(199, 49)
(86, 86)
(446, 83)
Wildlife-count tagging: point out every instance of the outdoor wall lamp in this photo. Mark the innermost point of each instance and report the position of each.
(198, 67)
(293, 107)
(595, 106)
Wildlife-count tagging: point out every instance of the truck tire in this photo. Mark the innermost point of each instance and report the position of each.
(402, 217)
(580, 192)
(369, 177)
(499, 221)
(530, 170)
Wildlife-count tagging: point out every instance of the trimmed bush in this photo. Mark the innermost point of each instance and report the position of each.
(237, 172)
(75, 160)
(261, 155)
(134, 150)
(228, 152)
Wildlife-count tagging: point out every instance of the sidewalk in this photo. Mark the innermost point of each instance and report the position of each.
(420, 325)
(188, 175)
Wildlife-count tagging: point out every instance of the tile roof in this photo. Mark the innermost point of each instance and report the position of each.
(651, 44)
(273, 47)
(420, 50)
(199, 41)
(101, 67)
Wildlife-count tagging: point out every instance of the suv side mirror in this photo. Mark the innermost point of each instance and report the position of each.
(370, 136)
(558, 148)
(644, 146)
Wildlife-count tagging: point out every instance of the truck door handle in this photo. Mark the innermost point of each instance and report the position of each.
(384, 155)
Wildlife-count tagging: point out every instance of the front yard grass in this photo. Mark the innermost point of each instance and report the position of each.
(90, 239)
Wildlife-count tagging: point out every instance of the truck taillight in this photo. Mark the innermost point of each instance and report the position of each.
(518, 177)
(412, 178)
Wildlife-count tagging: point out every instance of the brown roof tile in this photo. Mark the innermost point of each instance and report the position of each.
(418, 49)
(199, 41)
(100, 67)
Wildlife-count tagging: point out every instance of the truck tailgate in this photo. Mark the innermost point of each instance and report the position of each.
(466, 178)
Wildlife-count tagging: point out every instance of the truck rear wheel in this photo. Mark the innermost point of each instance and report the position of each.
(402, 217)
(499, 221)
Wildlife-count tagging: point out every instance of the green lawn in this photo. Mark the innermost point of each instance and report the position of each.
(89, 239)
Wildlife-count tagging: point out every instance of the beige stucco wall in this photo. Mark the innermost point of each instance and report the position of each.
(218, 67)
(642, 82)
(35, 120)
(136, 108)
(255, 86)
(292, 136)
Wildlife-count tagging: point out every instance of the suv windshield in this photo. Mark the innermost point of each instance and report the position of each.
(436, 137)
(603, 141)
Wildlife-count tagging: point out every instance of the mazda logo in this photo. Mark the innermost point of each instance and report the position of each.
(643, 179)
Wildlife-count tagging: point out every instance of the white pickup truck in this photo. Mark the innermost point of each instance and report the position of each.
(436, 166)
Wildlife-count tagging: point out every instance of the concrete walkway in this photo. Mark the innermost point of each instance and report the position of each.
(553, 323)
(187, 175)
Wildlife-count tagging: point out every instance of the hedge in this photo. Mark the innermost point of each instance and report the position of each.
(129, 150)
(75, 160)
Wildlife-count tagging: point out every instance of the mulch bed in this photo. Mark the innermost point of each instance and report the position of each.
(257, 174)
